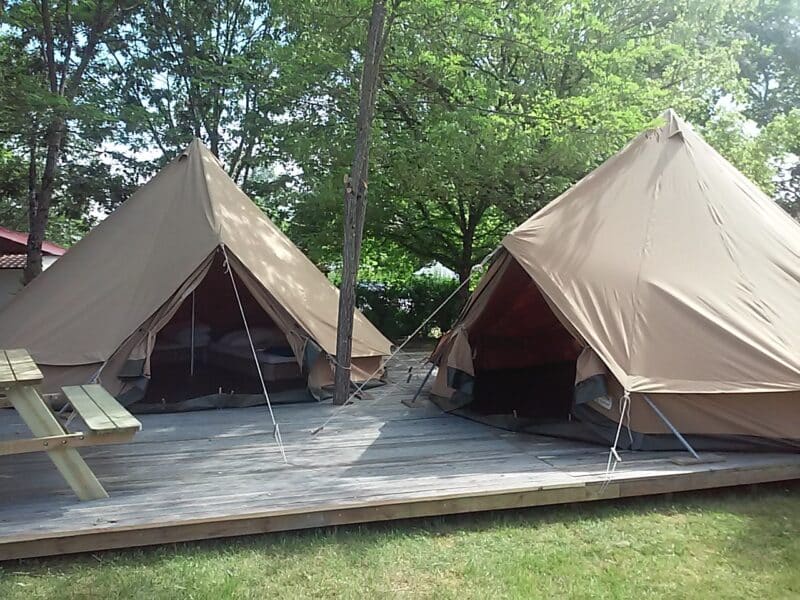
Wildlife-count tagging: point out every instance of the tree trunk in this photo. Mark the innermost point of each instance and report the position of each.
(465, 264)
(355, 200)
(40, 197)
(463, 293)
(39, 201)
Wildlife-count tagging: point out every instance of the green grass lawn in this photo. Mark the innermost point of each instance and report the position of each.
(737, 543)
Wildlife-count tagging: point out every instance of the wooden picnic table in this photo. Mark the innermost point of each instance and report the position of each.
(19, 376)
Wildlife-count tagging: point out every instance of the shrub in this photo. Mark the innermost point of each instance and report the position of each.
(397, 308)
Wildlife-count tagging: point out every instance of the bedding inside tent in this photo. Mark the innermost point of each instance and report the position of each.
(202, 357)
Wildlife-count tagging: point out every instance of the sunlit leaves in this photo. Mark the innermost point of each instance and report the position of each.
(489, 110)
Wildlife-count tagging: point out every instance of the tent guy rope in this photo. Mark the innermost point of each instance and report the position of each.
(613, 456)
(191, 355)
(363, 384)
(276, 431)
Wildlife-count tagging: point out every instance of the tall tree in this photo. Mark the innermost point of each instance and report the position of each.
(766, 155)
(355, 195)
(205, 69)
(490, 109)
(770, 67)
(17, 106)
(770, 58)
(66, 37)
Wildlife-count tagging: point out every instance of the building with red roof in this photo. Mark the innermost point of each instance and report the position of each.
(13, 248)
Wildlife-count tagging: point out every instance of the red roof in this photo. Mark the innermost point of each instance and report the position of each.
(16, 241)
(12, 261)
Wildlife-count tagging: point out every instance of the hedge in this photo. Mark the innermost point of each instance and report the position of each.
(399, 307)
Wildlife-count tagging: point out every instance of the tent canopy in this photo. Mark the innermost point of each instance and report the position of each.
(665, 269)
(676, 269)
(136, 267)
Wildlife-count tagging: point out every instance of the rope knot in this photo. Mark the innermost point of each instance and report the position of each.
(613, 455)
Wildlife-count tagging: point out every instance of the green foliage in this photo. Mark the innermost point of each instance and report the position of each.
(53, 75)
(770, 59)
(394, 299)
(764, 155)
(398, 307)
(65, 230)
(202, 69)
(488, 109)
(770, 71)
(13, 178)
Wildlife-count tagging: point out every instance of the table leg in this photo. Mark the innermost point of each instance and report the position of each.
(43, 423)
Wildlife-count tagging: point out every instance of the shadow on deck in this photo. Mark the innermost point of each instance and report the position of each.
(218, 473)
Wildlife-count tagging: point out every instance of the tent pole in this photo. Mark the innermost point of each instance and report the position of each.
(422, 385)
(674, 431)
(353, 394)
(191, 354)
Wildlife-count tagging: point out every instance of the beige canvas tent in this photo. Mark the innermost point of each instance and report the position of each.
(152, 280)
(664, 272)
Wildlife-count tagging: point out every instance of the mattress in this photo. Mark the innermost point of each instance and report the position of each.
(275, 366)
(166, 353)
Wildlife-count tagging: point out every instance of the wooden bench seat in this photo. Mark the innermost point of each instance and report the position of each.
(100, 411)
(106, 420)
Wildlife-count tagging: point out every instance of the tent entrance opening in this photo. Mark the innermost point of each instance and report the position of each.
(203, 352)
(524, 357)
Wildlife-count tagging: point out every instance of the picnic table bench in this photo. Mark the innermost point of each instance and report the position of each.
(107, 422)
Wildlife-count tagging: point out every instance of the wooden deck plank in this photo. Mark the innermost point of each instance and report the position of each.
(201, 507)
(217, 473)
(311, 486)
(344, 513)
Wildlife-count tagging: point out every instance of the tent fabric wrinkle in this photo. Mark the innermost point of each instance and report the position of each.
(678, 276)
(121, 283)
(668, 273)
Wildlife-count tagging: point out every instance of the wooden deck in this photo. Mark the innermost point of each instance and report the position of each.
(219, 473)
